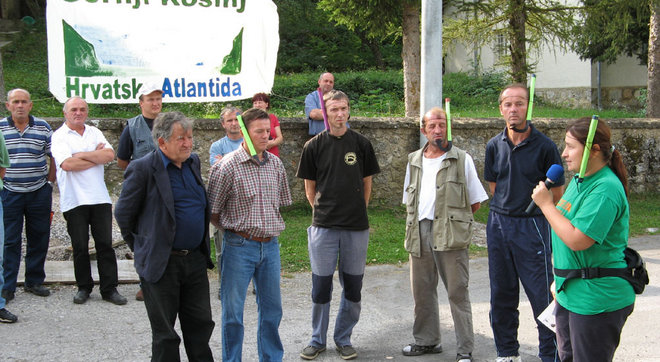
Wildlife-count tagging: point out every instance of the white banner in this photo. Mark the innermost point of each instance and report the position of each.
(198, 50)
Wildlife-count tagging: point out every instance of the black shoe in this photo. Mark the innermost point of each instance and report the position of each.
(7, 316)
(8, 295)
(37, 289)
(115, 298)
(346, 352)
(81, 297)
(464, 357)
(310, 352)
(417, 350)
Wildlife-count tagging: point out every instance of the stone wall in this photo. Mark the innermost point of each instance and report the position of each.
(575, 97)
(627, 97)
(394, 138)
(587, 97)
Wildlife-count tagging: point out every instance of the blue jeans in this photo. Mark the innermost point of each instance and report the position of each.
(244, 259)
(35, 207)
(3, 302)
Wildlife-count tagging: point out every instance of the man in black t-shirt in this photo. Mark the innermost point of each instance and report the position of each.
(337, 166)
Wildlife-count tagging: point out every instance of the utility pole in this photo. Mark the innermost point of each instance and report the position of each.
(431, 69)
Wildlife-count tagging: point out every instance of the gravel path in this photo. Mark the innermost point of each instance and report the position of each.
(55, 329)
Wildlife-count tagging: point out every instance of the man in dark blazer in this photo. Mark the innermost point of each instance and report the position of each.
(163, 215)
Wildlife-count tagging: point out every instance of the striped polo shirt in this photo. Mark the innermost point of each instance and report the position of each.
(27, 152)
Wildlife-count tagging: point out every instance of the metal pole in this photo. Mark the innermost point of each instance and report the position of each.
(600, 95)
(431, 58)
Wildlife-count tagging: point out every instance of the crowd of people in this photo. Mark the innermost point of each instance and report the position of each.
(167, 216)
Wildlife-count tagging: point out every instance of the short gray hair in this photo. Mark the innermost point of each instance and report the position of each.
(11, 92)
(227, 110)
(164, 123)
(72, 98)
(324, 73)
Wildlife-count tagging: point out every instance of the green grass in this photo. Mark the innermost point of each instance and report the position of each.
(644, 212)
(388, 226)
(544, 111)
(385, 239)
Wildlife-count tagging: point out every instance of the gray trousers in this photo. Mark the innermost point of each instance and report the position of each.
(345, 250)
(452, 267)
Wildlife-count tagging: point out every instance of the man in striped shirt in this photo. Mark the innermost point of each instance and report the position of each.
(27, 194)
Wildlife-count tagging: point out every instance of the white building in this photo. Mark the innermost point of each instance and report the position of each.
(561, 77)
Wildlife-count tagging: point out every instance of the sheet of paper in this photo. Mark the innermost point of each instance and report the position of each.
(547, 317)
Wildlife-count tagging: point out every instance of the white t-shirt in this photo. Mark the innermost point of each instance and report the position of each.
(85, 187)
(430, 168)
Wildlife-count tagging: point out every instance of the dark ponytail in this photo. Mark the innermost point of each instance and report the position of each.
(603, 138)
(616, 164)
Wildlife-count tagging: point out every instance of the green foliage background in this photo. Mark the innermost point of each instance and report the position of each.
(373, 92)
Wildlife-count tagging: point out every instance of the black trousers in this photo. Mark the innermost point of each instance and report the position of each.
(78, 223)
(183, 290)
(586, 338)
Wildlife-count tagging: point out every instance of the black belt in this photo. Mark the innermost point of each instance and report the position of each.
(251, 237)
(183, 252)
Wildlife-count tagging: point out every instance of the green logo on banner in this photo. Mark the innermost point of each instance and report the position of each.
(80, 56)
(231, 63)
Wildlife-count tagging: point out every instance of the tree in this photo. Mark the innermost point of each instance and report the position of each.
(380, 19)
(411, 54)
(653, 85)
(599, 36)
(635, 31)
(11, 9)
(526, 24)
(3, 95)
(15, 9)
(309, 40)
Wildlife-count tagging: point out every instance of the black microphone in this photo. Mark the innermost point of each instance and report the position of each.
(554, 174)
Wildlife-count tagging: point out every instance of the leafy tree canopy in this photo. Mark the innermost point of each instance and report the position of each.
(309, 40)
(609, 28)
(526, 24)
(378, 18)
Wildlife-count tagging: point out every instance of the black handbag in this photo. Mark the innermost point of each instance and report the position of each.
(635, 272)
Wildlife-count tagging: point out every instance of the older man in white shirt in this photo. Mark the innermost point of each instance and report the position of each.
(80, 151)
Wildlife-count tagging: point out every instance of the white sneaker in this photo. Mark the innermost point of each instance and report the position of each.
(509, 359)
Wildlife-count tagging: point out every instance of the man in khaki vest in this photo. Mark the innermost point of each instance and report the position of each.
(441, 192)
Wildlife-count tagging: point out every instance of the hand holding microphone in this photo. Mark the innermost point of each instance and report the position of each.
(554, 174)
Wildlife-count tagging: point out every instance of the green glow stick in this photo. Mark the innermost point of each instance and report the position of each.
(530, 106)
(448, 119)
(587, 146)
(246, 136)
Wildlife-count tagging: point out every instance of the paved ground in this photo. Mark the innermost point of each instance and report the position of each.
(54, 329)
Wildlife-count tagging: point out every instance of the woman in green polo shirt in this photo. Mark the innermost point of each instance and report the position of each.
(589, 230)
